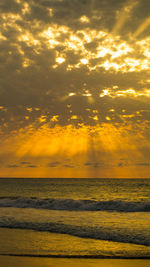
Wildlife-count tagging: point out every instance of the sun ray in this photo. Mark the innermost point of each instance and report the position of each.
(142, 27)
(123, 15)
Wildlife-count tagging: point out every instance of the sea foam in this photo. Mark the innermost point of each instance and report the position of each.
(86, 231)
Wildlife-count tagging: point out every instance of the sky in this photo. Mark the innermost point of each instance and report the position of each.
(75, 88)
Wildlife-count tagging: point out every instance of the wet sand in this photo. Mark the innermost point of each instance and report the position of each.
(12, 261)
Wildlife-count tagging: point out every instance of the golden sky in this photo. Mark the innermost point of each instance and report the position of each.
(75, 88)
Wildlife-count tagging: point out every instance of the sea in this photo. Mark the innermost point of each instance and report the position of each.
(75, 218)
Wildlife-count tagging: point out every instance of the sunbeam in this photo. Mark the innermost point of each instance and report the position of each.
(142, 27)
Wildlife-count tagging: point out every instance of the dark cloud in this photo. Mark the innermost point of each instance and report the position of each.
(22, 164)
(143, 164)
(25, 163)
(123, 164)
(9, 6)
(53, 164)
(94, 164)
(88, 163)
(12, 166)
(68, 166)
(31, 166)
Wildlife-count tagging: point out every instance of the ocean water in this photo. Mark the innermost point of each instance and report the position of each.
(78, 218)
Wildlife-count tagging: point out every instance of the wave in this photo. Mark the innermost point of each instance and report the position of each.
(97, 232)
(75, 205)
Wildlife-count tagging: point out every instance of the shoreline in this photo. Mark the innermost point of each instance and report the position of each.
(75, 256)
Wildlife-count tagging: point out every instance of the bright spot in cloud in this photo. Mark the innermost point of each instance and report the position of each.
(84, 61)
(60, 60)
(95, 118)
(72, 94)
(87, 94)
(130, 92)
(105, 92)
(102, 51)
(50, 12)
(74, 117)
(84, 19)
(55, 118)
(108, 118)
(25, 8)
(42, 118)
(29, 109)
(27, 117)
(95, 111)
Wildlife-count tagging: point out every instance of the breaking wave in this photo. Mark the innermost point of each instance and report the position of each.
(75, 205)
(93, 232)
